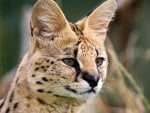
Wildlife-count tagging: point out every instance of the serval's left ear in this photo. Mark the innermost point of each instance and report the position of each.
(97, 22)
(47, 20)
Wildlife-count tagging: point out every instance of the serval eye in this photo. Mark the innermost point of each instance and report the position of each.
(99, 61)
(69, 61)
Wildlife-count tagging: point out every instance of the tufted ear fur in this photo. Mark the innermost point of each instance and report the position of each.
(97, 22)
(47, 19)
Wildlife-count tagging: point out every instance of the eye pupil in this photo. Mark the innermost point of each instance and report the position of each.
(99, 61)
(69, 61)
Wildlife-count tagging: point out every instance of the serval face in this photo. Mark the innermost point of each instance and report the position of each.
(68, 60)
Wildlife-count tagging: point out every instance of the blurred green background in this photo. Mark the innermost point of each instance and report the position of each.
(130, 34)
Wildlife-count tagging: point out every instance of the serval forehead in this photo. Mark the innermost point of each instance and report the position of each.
(84, 39)
(77, 30)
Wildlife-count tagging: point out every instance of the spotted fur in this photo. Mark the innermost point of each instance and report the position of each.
(66, 64)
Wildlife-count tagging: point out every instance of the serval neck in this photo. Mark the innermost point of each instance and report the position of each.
(21, 96)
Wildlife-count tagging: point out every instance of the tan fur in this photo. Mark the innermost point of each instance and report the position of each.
(43, 82)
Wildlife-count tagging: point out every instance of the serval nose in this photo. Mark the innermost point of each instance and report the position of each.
(91, 79)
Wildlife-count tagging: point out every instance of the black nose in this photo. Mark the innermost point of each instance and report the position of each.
(91, 79)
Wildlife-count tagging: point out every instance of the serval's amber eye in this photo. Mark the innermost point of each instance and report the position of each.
(99, 61)
(69, 61)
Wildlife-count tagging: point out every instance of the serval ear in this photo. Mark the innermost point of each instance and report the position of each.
(47, 19)
(97, 22)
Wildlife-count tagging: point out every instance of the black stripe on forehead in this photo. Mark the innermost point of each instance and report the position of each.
(97, 52)
(75, 52)
(75, 29)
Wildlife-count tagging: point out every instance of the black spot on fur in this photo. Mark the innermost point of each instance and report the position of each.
(45, 79)
(36, 69)
(42, 67)
(47, 60)
(39, 83)
(45, 70)
(52, 62)
(52, 38)
(50, 79)
(17, 80)
(41, 101)
(49, 91)
(40, 90)
(7, 110)
(36, 63)
(2, 104)
(33, 75)
(28, 97)
(15, 105)
(28, 105)
(54, 68)
(11, 97)
(63, 77)
(56, 95)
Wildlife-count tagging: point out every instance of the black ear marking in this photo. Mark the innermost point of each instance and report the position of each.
(76, 30)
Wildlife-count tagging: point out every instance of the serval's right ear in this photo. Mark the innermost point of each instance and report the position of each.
(98, 21)
(47, 20)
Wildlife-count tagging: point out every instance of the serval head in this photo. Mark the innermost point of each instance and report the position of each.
(68, 59)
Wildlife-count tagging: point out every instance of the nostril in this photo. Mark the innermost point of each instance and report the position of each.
(91, 79)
